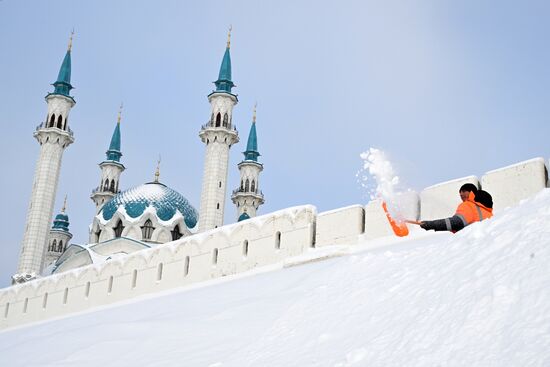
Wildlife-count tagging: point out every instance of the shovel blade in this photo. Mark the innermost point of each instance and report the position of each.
(400, 229)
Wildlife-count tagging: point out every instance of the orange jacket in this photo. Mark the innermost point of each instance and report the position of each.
(471, 211)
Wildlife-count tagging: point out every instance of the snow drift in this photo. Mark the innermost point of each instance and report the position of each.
(476, 298)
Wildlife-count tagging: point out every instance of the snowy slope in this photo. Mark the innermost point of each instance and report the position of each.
(477, 298)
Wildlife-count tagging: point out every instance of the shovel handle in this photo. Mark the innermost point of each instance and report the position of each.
(417, 222)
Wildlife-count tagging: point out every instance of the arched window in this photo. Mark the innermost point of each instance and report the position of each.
(60, 122)
(112, 188)
(278, 240)
(147, 229)
(246, 185)
(218, 119)
(242, 185)
(98, 234)
(212, 119)
(65, 125)
(60, 246)
(106, 186)
(118, 229)
(253, 186)
(176, 234)
(54, 245)
(52, 120)
(225, 120)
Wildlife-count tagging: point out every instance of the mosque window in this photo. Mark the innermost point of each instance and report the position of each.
(242, 185)
(159, 272)
(52, 120)
(54, 245)
(65, 296)
(25, 305)
(110, 287)
(246, 185)
(278, 240)
(253, 186)
(218, 119)
(176, 235)
(88, 289)
(65, 124)
(112, 187)
(60, 122)
(118, 229)
(225, 119)
(218, 206)
(60, 246)
(134, 279)
(147, 229)
(106, 186)
(45, 300)
(98, 234)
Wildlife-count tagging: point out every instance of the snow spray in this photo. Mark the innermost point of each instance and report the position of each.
(378, 178)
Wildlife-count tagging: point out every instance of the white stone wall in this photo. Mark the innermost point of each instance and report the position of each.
(340, 226)
(510, 185)
(218, 141)
(441, 200)
(53, 142)
(224, 251)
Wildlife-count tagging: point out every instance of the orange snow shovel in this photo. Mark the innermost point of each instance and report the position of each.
(400, 229)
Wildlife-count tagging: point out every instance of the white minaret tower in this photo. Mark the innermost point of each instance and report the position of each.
(111, 168)
(219, 134)
(54, 135)
(248, 196)
(59, 237)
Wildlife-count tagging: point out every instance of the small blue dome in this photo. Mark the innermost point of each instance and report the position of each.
(61, 222)
(243, 216)
(165, 200)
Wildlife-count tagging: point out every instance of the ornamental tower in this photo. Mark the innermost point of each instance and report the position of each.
(219, 134)
(111, 168)
(59, 237)
(53, 135)
(248, 197)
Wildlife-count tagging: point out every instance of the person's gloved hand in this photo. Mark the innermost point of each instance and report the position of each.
(427, 225)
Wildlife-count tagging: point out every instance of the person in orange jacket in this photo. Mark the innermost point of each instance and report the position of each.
(476, 206)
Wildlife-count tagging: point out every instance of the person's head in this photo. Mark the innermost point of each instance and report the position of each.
(465, 190)
(484, 198)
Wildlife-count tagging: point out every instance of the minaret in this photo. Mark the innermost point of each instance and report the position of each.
(59, 237)
(248, 196)
(219, 134)
(54, 135)
(111, 168)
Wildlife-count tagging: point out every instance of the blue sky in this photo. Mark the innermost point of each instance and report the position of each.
(446, 88)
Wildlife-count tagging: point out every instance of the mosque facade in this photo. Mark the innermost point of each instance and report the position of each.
(140, 217)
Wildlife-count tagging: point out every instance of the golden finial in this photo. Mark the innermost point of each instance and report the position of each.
(64, 204)
(229, 36)
(120, 113)
(157, 172)
(254, 115)
(71, 41)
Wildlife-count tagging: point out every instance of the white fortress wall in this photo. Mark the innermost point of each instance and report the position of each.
(245, 245)
(227, 250)
(340, 226)
(510, 185)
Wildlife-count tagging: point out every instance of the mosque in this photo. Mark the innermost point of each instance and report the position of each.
(140, 217)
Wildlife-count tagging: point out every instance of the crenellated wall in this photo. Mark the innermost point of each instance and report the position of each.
(246, 245)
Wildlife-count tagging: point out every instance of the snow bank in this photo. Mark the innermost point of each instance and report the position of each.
(477, 298)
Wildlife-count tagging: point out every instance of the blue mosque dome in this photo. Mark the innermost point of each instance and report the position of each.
(61, 222)
(165, 200)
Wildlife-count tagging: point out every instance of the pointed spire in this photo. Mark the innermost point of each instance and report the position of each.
(229, 36)
(64, 204)
(224, 83)
(69, 48)
(114, 153)
(63, 84)
(157, 172)
(251, 153)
